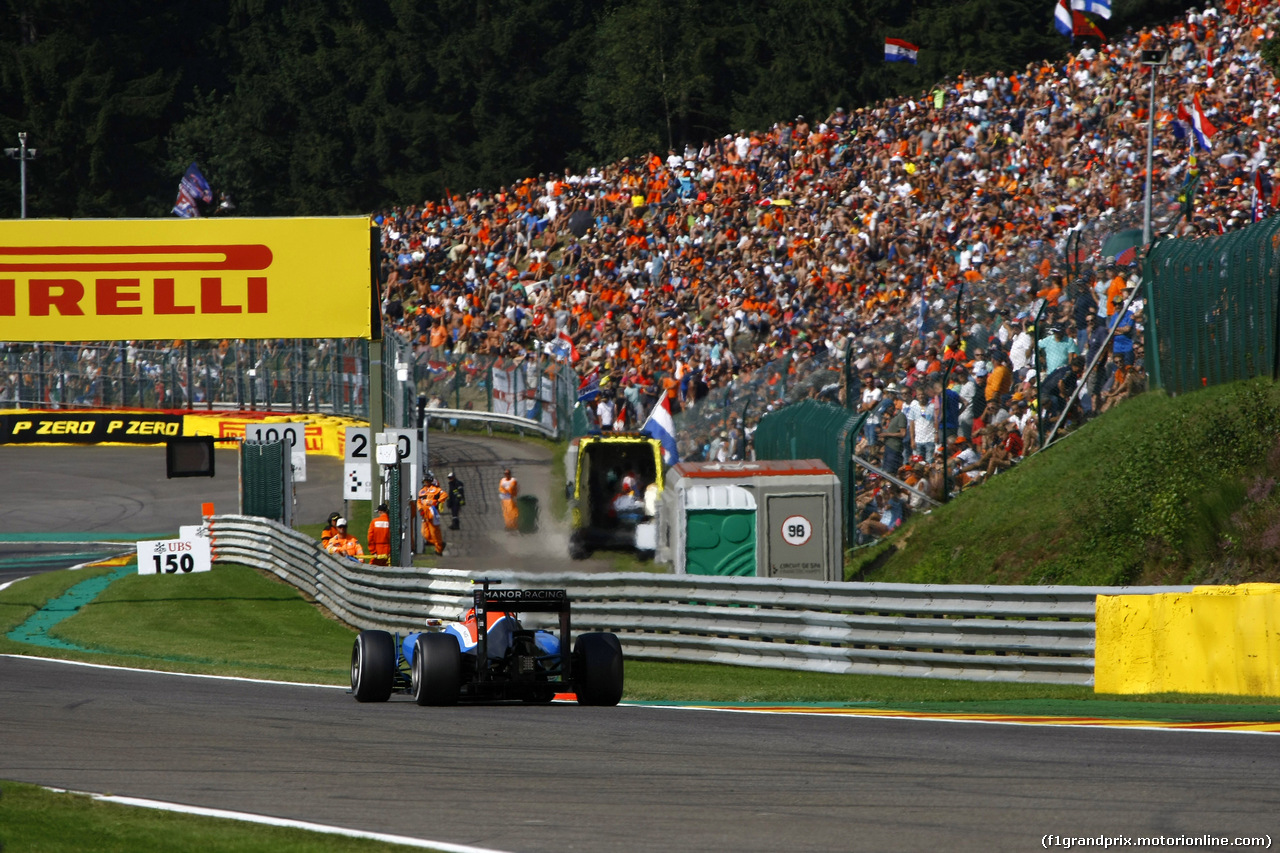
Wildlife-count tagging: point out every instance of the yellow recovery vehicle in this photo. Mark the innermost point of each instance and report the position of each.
(614, 483)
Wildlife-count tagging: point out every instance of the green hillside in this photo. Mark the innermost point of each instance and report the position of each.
(1160, 490)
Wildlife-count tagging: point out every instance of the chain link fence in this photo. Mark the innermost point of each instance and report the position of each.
(327, 376)
(1214, 307)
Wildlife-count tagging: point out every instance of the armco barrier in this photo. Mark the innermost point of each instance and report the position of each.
(993, 633)
(444, 416)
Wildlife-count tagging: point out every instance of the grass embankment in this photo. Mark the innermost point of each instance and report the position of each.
(1160, 490)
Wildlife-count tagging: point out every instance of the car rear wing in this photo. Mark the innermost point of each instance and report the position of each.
(486, 600)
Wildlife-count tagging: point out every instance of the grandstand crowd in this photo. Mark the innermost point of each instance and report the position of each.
(920, 238)
(921, 233)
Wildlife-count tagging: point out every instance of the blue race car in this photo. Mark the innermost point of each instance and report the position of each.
(490, 656)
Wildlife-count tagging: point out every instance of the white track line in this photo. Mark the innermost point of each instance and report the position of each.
(181, 674)
(266, 820)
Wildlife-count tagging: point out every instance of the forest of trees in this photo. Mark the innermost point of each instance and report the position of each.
(344, 106)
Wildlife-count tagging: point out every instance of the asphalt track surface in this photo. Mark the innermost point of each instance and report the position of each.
(552, 778)
(563, 777)
(81, 493)
(122, 491)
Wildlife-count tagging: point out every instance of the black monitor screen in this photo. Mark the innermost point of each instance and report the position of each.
(189, 457)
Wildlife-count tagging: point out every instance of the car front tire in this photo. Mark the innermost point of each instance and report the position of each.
(373, 666)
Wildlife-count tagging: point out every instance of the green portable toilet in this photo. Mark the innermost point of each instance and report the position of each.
(769, 518)
(720, 530)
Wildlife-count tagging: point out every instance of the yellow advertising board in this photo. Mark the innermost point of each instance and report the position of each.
(325, 435)
(156, 279)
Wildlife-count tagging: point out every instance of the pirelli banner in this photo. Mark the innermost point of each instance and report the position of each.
(153, 279)
(89, 427)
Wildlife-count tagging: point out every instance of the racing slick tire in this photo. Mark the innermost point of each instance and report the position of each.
(598, 669)
(437, 670)
(373, 666)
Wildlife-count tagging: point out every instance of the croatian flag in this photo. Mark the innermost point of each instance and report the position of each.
(1062, 20)
(1101, 8)
(1200, 124)
(897, 50)
(661, 426)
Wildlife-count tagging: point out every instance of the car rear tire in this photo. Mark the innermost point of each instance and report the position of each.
(599, 669)
(578, 548)
(437, 670)
(373, 666)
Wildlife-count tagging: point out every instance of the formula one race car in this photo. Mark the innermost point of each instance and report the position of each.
(490, 655)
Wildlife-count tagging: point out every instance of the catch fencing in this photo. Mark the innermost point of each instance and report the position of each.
(989, 633)
(1214, 308)
(328, 376)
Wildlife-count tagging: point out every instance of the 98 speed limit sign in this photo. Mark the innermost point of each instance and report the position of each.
(796, 530)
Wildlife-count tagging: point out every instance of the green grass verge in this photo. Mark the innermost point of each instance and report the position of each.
(231, 621)
(36, 820)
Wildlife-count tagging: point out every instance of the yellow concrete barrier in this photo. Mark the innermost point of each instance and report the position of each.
(1215, 639)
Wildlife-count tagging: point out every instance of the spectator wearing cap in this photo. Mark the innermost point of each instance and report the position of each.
(1057, 348)
(330, 528)
(343, 544)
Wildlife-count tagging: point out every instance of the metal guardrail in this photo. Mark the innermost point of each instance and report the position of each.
(988, 633)
(489, 418)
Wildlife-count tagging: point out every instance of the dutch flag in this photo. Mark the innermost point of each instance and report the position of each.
(662, 426)
(1062, 20)
(1200, 124)
(897, 50)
